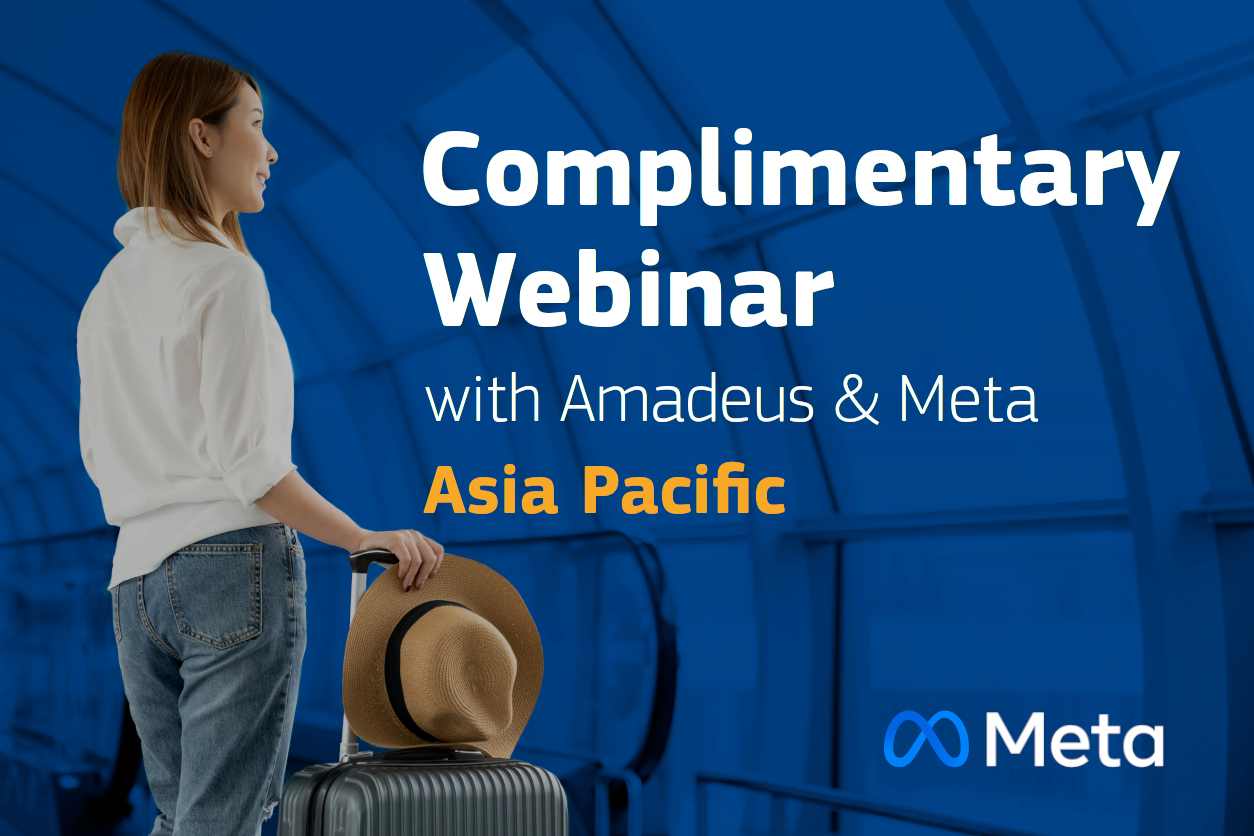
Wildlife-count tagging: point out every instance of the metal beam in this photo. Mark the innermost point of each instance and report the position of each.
(1166, 455)
(81, 112)
(1109, 514)
(1067, 516)
(272, 86)
(99, 531)
(109, 245)
(838, 800)
(751, 229)
(1163, 87)
(1225, 508)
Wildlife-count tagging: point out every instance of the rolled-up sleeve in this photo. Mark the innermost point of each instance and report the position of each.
(244, 393)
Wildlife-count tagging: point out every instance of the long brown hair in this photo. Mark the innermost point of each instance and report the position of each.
(157, 163)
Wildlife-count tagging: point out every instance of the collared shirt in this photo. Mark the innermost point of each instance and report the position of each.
(185, 417)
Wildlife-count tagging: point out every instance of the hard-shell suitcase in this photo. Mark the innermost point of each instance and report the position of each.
(419, 792)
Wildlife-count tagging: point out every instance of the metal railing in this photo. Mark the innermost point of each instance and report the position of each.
(781, 792)
(661, 712)
(632, 775)
(635, 800)
(309, 740)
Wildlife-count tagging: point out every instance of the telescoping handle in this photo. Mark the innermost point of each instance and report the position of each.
(359, 562)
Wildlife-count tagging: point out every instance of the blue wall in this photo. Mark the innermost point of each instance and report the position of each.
(1094, 562)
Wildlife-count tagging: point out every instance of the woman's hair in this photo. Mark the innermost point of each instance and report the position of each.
(157, 163)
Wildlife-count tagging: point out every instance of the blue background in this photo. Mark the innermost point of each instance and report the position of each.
(1098, 561)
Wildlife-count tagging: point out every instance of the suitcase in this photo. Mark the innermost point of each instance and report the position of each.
(419, 792)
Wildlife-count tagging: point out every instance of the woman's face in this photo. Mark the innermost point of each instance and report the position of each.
(235, 156)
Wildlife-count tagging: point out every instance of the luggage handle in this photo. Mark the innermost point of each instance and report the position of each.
(359, 562)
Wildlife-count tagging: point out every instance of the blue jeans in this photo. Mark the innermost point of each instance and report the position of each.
(210, 645)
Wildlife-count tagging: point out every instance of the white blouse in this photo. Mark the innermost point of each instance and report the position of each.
(185, 417)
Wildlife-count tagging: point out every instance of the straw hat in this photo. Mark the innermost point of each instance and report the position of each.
(456, 662)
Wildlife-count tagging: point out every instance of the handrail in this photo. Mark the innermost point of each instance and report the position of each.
(665, 684)
(661, 713)
(835, 799)
(98, 531)
(652, 748)
(635, 800)
(1084, 515)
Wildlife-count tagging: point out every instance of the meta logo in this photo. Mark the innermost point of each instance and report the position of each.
(926, 732)
(1065, 740)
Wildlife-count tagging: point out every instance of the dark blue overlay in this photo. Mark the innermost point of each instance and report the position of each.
(1097, 561)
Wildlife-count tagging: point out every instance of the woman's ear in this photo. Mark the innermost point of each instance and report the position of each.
(199, 133)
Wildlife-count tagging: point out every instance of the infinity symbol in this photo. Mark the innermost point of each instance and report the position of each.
(926, 733)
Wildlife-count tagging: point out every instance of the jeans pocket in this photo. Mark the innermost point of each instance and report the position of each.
(115, 592)
(215, 591)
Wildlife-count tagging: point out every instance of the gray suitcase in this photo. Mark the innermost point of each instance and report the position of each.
(419, 792)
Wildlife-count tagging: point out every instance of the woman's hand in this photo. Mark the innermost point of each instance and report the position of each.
(420, 556)
(293, 501)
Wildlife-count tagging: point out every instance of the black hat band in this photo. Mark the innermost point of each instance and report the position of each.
(392, 665)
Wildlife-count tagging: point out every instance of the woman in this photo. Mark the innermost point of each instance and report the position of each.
(185, 427)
